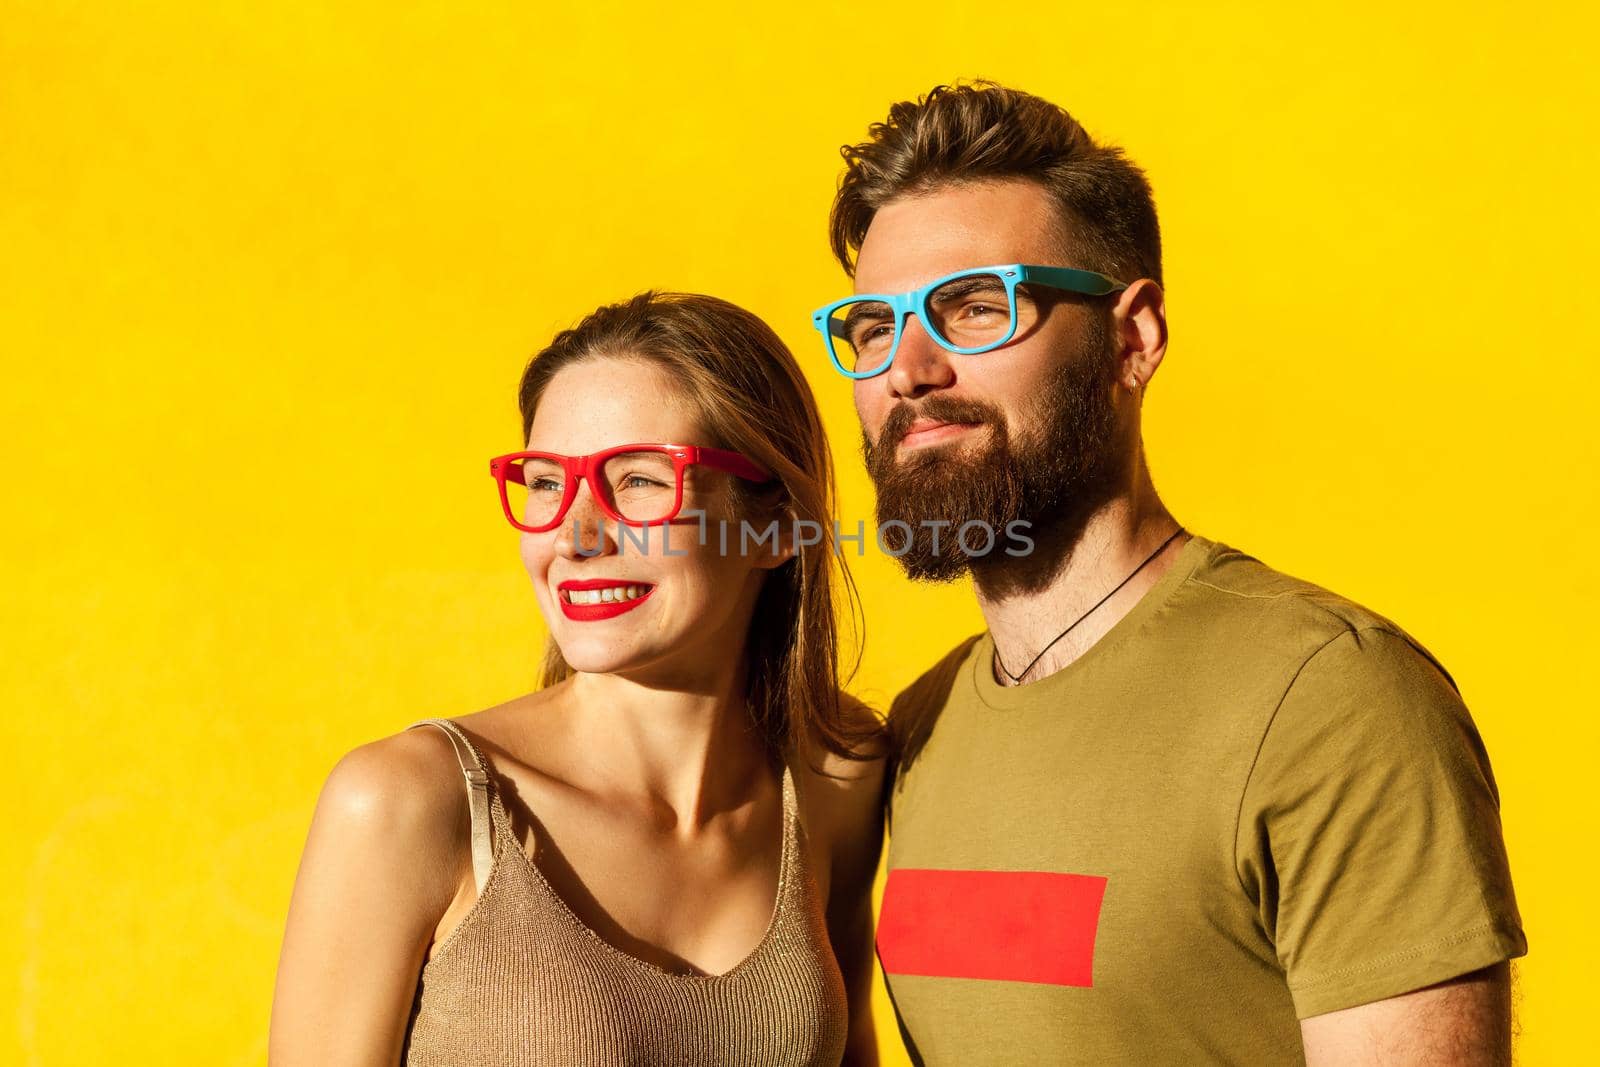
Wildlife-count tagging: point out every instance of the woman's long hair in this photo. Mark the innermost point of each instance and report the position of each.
(749, 396)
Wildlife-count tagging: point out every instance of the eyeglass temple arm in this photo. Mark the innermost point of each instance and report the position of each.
(1073, 280)
(733, 463)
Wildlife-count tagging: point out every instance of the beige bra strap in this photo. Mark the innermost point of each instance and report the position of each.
(477, 796)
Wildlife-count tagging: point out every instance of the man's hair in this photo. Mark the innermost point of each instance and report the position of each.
(984, 131)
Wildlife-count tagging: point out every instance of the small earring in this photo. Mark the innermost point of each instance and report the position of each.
(1135, 385)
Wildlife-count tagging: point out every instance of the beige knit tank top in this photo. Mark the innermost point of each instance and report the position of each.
(522, 980)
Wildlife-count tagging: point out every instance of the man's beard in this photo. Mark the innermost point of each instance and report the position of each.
(1046, 474)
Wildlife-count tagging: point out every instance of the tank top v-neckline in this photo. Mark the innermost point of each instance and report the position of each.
(506, 841)
(522, 980)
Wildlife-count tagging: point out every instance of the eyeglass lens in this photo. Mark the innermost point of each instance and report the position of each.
(639, 486)
(967, 312)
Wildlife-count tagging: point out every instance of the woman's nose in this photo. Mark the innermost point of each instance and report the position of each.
(585, 531)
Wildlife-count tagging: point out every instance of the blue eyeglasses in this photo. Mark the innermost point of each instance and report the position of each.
(967, 312)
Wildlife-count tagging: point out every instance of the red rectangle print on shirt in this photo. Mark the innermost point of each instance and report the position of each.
(1015, 926)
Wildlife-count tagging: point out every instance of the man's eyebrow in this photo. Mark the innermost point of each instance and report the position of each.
(866, 309)
(967, 286)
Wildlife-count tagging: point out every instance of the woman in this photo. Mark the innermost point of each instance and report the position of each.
(664, 854)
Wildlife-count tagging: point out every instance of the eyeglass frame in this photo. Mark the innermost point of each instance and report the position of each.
(587, 468)
(1070, 279)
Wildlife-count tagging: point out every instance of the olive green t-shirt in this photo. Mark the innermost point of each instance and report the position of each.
(1252, 801)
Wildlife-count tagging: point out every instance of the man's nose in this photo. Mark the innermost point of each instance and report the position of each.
(920, 365)
(585, 530)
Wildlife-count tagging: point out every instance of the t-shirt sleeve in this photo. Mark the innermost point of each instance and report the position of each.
(1369, 833)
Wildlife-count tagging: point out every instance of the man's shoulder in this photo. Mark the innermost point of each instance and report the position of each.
(1276, 614)
(1229, 575)
(913, 711)
(936, 679)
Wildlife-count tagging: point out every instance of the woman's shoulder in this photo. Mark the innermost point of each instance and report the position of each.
(843, 789)
(407, 787)
(411, 782)
(861, 745)
(390, 831)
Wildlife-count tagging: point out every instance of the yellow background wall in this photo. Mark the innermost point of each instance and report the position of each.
(269, 273)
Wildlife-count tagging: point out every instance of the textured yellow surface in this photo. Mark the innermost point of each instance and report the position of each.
(269, 273)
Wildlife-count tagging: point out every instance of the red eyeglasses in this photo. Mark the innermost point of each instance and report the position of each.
(640, 485)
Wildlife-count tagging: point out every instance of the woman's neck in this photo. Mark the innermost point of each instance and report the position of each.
(688, 746)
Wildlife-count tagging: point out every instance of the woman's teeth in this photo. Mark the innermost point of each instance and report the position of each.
(604, 596)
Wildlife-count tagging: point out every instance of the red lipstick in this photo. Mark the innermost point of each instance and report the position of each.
(592, 605)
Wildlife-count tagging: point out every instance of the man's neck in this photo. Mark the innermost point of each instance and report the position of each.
(1029, 601)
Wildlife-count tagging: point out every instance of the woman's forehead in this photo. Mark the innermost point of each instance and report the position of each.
(598, 403)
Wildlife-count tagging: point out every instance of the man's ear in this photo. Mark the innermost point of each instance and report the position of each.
(1141, 323)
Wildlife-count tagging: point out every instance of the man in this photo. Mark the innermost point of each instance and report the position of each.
(1173, 806)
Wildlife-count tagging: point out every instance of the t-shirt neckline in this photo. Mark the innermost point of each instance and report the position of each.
(980, 663)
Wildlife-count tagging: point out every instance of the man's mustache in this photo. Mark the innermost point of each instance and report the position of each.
(938, 409)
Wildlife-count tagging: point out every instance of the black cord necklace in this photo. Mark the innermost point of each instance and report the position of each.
(1015, 678)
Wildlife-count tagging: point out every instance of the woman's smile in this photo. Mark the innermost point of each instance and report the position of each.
(593, 599)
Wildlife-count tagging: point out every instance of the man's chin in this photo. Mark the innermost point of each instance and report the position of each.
(935, 570)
